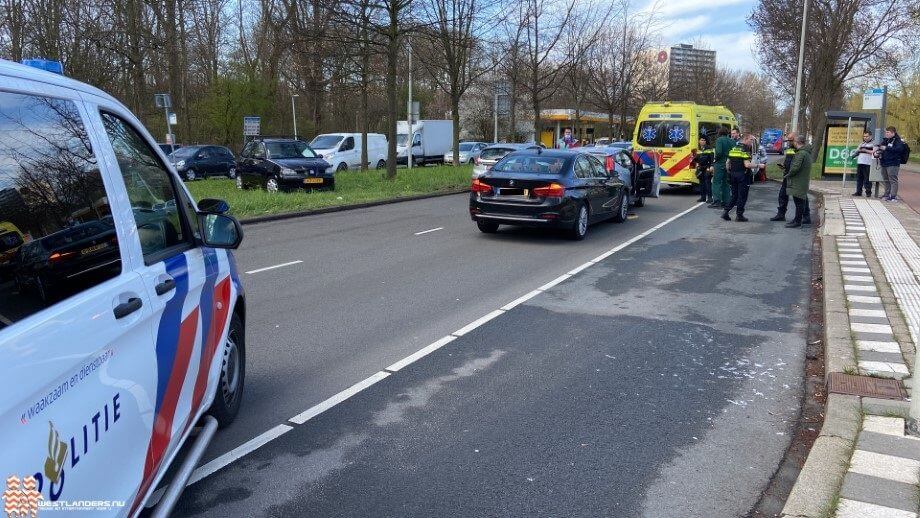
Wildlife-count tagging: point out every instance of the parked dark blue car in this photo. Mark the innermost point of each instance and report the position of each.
(566, 189)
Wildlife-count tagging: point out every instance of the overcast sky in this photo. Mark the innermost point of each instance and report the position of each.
(721, 24)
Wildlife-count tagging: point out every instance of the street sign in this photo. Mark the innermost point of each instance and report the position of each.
(172, 118)
(504, 105)
(162, 100)
(872, 98)
(252, 126)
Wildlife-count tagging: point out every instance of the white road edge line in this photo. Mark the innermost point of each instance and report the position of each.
(421, 353)
(260, 440)
(520, 300)
(282, 265)
(318, 409)
(226, 459)
(476, 323)
(429, 230)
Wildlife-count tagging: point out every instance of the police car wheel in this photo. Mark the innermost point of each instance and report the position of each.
(232, 374)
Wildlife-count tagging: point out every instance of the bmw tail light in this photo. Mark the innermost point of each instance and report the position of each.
(481, 187)
(553, 190)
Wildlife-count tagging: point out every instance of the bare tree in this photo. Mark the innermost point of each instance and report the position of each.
(846, 40)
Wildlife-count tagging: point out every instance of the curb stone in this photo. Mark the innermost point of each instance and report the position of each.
(342, 208)
(817, 487)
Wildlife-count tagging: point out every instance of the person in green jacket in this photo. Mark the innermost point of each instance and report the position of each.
(720, 190)
(798, 177)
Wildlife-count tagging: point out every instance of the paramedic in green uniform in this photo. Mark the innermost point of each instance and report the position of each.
(720, 190)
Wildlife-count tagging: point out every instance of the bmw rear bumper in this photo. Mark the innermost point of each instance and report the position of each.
(561, 214)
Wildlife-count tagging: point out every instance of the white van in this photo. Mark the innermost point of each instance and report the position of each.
(122, 312)
(343, 150)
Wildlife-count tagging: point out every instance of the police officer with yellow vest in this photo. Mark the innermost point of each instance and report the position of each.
(739, 166)
(703, 161)
(783, 201)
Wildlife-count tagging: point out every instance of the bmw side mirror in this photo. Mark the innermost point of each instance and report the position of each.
(213, 206)
(220, 230)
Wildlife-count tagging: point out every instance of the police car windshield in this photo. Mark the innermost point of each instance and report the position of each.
(533, 164)
(664, 133)
(289, 149)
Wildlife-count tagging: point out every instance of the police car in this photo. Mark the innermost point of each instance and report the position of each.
(121, 313)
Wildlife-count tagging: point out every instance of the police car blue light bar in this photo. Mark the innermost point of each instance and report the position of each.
(45, 64)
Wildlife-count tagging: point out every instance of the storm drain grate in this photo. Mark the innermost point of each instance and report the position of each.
(840, 383)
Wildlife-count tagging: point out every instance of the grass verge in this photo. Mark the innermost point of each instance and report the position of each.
(351, 187)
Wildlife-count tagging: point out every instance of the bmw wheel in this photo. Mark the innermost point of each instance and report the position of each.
(580, 228)
(232, 374)
(623, 210)
(271, 185)
(487, 227)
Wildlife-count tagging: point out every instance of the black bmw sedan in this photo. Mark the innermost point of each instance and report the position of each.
(548, 188)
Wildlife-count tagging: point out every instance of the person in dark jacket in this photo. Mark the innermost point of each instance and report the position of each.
(799, 176)
(889, 154)
(703, 162)
(783, 198)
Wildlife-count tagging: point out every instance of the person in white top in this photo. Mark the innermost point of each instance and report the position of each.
(864, 156)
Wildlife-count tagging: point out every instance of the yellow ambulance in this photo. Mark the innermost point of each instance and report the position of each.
(667, 134)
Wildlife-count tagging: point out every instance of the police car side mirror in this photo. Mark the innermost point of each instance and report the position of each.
(220, 230)
(213, 206)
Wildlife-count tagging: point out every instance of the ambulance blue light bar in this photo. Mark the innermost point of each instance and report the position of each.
(45, 64)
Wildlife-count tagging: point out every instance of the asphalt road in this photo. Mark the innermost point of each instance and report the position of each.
(661, 381)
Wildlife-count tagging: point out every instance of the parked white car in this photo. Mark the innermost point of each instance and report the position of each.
(468, 152)
(343, 150)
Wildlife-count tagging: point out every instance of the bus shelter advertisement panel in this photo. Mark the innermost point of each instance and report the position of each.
(841, 141)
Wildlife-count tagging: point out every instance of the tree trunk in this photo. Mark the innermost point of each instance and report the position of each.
(392, 101)
(455, 115)
(364, 88)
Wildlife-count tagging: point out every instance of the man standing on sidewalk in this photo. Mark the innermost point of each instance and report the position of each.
(720, 190)
(890, 153)
(783, 199)
(864, 155)
(798, 177)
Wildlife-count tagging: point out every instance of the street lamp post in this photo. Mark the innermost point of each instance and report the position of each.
(798, 80)
(294, 113)
(409, 137)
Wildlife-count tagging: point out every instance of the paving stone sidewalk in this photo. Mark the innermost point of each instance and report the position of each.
(863, 464)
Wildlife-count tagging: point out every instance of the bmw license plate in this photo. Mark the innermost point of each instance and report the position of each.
(312, 180)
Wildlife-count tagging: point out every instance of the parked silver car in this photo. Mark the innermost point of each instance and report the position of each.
(468, 153)
(495, 152)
